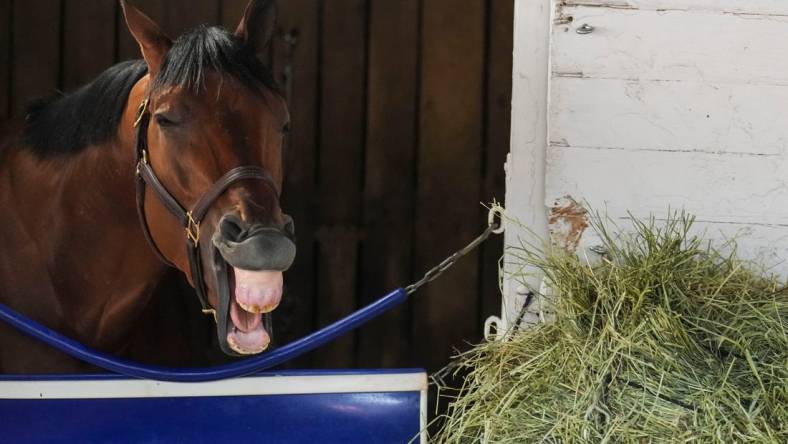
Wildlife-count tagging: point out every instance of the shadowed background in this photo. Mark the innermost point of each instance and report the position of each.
(400, 128)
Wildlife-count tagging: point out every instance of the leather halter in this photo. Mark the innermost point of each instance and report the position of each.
(189, 219)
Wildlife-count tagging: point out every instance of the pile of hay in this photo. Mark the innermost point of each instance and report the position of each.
(664, 340)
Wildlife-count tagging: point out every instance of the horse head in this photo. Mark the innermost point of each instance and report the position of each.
(210, 128)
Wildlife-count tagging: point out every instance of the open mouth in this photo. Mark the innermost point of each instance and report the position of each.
(252, 294)
(248, 262)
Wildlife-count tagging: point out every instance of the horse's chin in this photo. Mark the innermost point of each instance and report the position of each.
(252, 294)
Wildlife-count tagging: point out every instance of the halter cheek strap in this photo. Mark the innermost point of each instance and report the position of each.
(189, 219)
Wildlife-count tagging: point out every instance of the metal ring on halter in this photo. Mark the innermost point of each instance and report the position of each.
(496, 211)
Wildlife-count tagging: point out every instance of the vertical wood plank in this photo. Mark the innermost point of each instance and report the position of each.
(88, 39)
(449, 173)
(181, 16)
(232, 11)
(500, 39)
(5, 58)
(342, 91)
(300, 18)
(389, 176)
(36, 49)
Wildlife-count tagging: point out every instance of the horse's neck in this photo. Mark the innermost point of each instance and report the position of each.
(78, 257)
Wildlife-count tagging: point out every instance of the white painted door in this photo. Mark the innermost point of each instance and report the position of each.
(662, 103)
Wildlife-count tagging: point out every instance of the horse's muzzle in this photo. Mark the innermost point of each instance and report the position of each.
(248, 262)
(255, 247)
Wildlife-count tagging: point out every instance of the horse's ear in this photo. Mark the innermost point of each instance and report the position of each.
(257, 24)
(154, 44)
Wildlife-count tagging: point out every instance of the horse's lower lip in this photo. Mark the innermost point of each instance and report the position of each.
(248, 342)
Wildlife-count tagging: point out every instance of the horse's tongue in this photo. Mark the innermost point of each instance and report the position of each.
(242, 319)
(258, 291)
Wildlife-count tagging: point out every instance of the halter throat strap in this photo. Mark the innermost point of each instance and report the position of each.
(188, 219)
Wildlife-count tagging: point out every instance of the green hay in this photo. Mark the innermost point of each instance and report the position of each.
(663, 340)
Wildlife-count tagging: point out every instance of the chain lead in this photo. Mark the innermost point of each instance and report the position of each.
(494, 225)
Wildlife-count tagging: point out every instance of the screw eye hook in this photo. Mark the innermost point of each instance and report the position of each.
(585, 28)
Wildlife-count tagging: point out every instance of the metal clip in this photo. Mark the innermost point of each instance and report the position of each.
(192, 229)
(585, 28)
(495, 219)
(211, 311)
(143, 160)
(140, 111)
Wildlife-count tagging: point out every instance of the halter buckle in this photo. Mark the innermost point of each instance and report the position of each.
(143, 160)
(192, 228)
(211, 311)
(140, 111)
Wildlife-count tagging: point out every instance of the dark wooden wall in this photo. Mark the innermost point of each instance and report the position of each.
(400, 126)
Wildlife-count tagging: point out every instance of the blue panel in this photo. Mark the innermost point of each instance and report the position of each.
(386, 417)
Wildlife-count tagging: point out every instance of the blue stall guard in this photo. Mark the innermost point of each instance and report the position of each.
(376, 406)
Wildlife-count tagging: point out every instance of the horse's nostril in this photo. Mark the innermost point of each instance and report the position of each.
(231, 228)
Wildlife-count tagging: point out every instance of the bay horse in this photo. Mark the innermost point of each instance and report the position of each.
(174, 160)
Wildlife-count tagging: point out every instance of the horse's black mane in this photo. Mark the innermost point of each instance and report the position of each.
(87, 116)
(69, 123)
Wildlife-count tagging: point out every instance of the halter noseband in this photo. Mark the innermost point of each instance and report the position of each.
(189, 219)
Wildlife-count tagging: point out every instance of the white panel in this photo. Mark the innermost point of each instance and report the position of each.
(679, 116)
(672, 45)
(770, 7)
(725, 188)
(260, 385)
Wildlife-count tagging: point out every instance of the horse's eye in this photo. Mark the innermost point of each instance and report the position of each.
(286, 128)
(162, 120)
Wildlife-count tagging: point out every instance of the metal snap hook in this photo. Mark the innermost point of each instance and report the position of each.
(585, 28)
(495, 219)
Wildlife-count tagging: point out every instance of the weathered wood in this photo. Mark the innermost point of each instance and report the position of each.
(715, 187)
(5, 59)
(36, 49)
(88, 40)
(767, 7)
(668, 116)
(232, 11)
(449, 173)
(389, 175)
(336, 257)
(181, 16)
(687, 119)
(342, 91)
(701, 46)
(301, 18)
(500, 24)
(525, 165)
